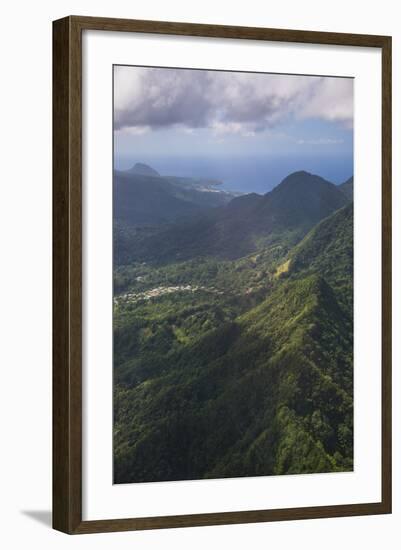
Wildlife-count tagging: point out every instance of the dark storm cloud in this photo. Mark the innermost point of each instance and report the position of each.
(160, 98)
(147, 98)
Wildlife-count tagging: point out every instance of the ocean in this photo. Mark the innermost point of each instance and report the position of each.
(245, 174)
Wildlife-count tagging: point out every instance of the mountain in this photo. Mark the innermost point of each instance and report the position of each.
(146, 200)
(211, 382)
(143, 197)
(302, 198)
(247, 223)
(328, 250)
(143, 170)
(348, 188)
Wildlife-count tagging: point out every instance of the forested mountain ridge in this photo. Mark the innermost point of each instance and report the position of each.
(328, 250)
(247, 223)
(142, 169)
(348, 188)
(240, 366)
(143, 197)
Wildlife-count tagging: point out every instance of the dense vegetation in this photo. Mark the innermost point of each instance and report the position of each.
(233, 340)
(247, 223)
(348, 188)
(142, 197)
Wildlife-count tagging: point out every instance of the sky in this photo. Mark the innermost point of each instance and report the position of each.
(181, 118)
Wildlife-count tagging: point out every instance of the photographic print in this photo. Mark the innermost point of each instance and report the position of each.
(232, 274)
(221, 296)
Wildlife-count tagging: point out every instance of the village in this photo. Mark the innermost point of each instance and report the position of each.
(133, 297)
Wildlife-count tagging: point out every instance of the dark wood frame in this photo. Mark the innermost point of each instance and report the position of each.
(67, 278)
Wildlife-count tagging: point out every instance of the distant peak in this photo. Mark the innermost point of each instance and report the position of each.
(143, 170)
(300, 175)
(349, 181)
(301, 178)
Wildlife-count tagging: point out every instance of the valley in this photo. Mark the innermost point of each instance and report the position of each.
(233, 328)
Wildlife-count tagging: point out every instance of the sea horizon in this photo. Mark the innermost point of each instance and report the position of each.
(258, 174)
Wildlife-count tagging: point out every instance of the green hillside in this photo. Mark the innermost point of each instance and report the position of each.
(328, 250)
(227, 367)
(348, 188)
(142, 197)
(246, 224)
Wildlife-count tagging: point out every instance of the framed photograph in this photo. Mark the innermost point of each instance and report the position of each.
(222, 274)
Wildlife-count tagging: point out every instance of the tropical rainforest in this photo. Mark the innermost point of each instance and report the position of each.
(233, 328)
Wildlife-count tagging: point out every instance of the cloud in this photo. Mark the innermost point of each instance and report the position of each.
(235, 128)
(137, 130)
(331, 100)
(320, 141)
(226, 102)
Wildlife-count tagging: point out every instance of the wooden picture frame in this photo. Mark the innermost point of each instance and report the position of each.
(67, 274)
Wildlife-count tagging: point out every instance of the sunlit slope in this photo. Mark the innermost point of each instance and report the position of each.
(205, 389)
